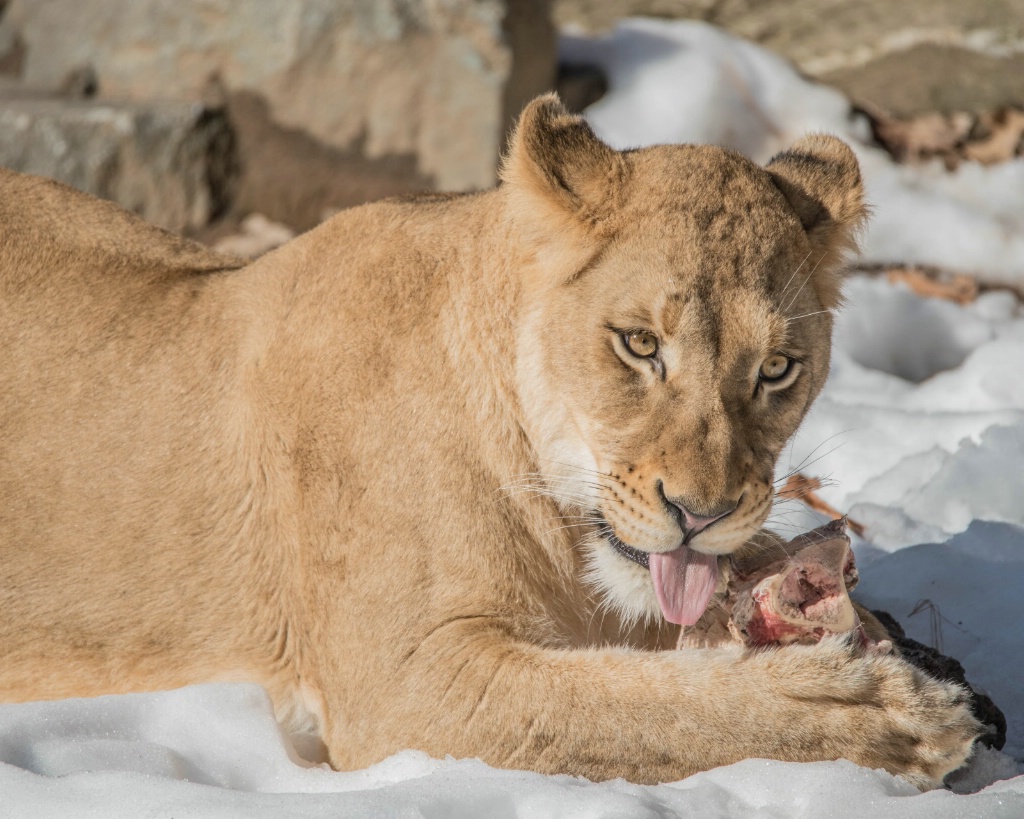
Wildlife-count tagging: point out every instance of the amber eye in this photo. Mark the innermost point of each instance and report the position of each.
(641, 343)
(775, 367)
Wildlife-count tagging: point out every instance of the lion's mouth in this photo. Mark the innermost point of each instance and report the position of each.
(638, 556)
(684, 579)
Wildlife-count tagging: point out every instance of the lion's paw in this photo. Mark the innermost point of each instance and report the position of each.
(879, 711)
(933, 729)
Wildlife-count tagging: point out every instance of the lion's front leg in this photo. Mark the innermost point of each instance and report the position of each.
(660, 716)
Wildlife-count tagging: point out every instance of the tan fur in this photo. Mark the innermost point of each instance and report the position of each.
(366, 470)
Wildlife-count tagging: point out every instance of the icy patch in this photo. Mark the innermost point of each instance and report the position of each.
(952, 490)
(906, 336)
(674, 82)
(987, 766)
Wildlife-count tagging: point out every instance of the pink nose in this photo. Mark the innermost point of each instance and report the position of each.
(698, 523)
(691, 522)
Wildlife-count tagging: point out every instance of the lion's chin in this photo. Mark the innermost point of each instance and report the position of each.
(624, 583)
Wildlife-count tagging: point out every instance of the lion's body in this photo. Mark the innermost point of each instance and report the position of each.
(309, 471)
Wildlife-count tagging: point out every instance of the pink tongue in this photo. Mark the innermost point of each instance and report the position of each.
(684, 581)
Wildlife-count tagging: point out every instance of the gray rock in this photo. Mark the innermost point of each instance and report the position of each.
(171, 163)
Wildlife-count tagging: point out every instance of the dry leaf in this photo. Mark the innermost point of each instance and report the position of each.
(925, 136)
(800, 487)
(1002, 140)
(960, 288)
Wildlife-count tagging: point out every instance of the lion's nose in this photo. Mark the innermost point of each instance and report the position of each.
(692, 522)
(696, 523)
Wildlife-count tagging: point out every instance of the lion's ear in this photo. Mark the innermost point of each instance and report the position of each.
(820, 178)
(562, 183)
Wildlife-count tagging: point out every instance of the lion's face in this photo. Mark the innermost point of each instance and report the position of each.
(661, 378)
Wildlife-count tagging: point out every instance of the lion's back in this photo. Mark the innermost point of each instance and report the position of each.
(49, 230)
(87, 286)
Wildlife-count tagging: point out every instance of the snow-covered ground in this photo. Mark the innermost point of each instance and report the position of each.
(920, 429)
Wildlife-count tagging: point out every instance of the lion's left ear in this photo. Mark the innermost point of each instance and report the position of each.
(820, 178)
(563, 185)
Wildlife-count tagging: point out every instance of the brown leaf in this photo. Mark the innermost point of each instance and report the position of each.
(800, 487)
(1004, 132)
(959, 288)
(924, 136)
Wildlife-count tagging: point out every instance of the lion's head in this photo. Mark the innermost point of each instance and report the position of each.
(676, 327)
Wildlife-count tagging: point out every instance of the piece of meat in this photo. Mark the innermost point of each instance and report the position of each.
(795, 592)
(775, 594)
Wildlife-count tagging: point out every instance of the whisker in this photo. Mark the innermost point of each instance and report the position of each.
(804, 463)
(799, 493)
(836, 448)
(805, 315)
(554, 529)
(537, 490)
(578, 468)
(809, 276)
(786, 287)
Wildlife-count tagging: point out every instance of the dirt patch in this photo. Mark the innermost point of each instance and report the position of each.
(292, 178)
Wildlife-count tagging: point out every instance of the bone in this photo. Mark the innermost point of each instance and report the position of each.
(775, 594)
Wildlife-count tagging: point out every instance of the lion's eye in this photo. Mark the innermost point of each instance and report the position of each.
(641, 343)
(775, 367)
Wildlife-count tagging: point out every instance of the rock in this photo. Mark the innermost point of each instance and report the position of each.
(171, 163)
(391, 78)
(293, 178)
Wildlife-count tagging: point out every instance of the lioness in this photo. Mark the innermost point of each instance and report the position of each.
(441, 473)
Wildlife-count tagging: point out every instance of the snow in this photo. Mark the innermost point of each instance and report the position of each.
(215, 751)
(923, 414)
(920, 430)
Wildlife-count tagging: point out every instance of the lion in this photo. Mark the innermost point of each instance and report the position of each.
(446, 472)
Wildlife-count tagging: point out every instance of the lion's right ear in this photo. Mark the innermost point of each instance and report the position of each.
(821, 179)
(563, 184)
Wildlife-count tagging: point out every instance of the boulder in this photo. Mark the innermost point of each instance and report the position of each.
(171, 163)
